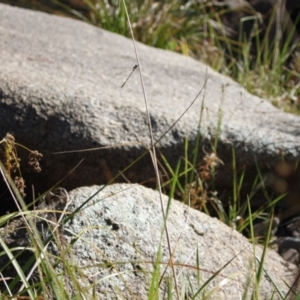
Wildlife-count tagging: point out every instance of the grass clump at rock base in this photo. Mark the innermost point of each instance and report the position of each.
(58, 272)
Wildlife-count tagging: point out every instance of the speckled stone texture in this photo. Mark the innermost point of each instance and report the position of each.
(60, 89)
(123, 223)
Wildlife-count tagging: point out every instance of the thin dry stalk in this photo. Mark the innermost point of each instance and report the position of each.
(152, 150)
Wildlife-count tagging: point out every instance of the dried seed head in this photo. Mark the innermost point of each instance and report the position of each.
(8, 154)
(20, 184)
(34, 161)
(212, 160)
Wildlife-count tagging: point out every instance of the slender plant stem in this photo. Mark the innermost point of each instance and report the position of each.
(152, 150)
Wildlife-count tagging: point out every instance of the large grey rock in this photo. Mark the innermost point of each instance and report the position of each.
(113, 241)
(59, 91)
(123, 223)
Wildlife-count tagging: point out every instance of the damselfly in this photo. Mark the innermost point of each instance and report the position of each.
(133, 69)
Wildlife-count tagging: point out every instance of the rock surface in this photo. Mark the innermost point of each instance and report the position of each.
(60, 90)
(113, 240)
